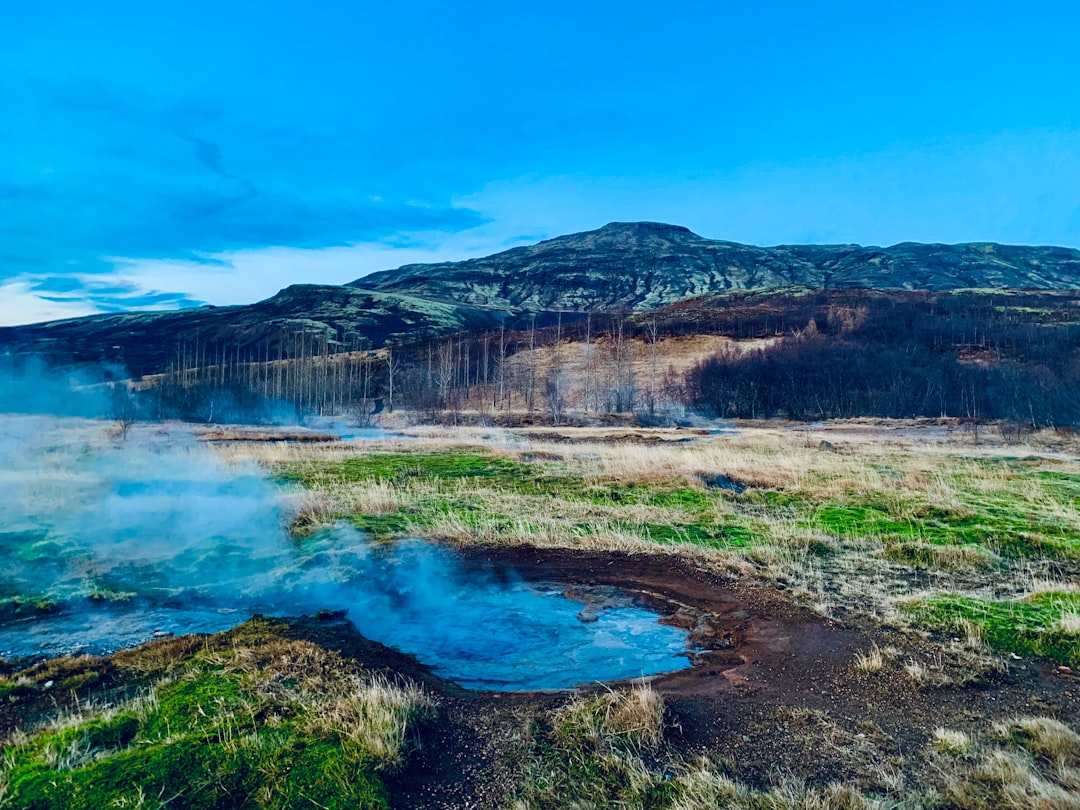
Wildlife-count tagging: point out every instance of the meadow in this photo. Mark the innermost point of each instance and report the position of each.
(930, 527)
(904, 628)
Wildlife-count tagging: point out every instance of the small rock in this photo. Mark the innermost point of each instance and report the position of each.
(1064, 670)
(49, 684)
(162, 634)
(745, 738)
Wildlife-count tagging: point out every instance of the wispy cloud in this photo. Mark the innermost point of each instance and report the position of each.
(91, 173)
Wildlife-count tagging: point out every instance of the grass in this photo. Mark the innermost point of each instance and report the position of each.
(1038, 626)
(250, 721)
(610, 750)
(863, 524)
(943, 513)
(462, 493)
(1025, 762)
(957, 534)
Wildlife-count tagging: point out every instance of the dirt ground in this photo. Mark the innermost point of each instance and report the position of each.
(772, 686)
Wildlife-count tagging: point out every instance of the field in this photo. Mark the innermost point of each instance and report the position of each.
(885, 614)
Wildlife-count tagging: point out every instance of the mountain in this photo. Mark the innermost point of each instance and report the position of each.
(624, 265)
(642, 265)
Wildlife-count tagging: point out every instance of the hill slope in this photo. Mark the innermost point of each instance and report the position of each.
(146, 342)
(641, 265)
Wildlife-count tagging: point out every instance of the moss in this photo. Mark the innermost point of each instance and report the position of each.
(1003, 528)
(381, 527)
(188, 705)
(321, 775)
(1029, 627)
(405, 466)
(205, 741)
(116, 732)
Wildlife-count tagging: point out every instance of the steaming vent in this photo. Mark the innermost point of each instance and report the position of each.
(107, 544)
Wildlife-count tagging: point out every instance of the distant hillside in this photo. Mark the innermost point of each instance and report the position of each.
(285, 325)
(636, 266)
(641, 265)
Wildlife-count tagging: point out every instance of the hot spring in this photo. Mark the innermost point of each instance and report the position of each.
(106, 545)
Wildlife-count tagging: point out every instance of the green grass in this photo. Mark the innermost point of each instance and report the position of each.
(1028, 627)
(998, 526)
(978, 531)
(229, 730)
(202, 744)
(463, 478)
(452, 464)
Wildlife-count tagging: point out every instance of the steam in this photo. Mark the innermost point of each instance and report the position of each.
(28, 386)
(106, 541)
(156, 515)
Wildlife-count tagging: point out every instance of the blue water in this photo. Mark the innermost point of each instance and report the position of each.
(482, 630)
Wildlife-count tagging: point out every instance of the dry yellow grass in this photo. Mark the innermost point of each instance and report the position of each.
(634, 717)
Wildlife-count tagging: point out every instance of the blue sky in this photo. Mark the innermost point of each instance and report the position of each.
(160, 155)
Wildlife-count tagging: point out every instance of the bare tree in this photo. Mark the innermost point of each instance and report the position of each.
(555, 384)
(123, 408)
(393, 368)
(654, 372)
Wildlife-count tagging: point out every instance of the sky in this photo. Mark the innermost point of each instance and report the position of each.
(161, 155)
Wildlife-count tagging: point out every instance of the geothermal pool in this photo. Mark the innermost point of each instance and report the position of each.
(482, 630)
(156, 535)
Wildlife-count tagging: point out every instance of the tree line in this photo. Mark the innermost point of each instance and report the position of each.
(974, 355)
(582, 364)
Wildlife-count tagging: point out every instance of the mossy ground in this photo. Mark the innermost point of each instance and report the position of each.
(1034, 627)
(496, 495)
(250, 721)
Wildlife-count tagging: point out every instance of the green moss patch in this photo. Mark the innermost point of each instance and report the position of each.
(255, 721)
(1030, 627)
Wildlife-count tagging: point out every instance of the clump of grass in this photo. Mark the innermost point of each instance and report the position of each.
(875, 659)
(629, 720)
(1027, 762)
(951, 742)
(702, 787)
(1069, 623)
(309, 509)
(377, 717)
(927, 675)
(1044, 737)
(591, 752)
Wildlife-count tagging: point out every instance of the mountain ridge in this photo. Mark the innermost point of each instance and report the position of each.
(641, 265)
(620, 267)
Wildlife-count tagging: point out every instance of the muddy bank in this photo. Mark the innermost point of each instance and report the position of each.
(774, 685)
